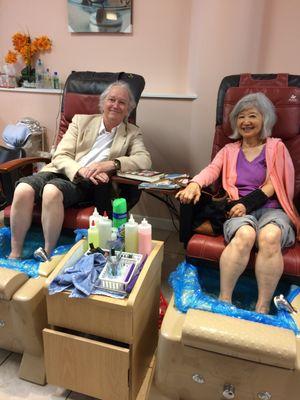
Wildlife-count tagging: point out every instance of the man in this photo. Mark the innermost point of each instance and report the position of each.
(93, 148)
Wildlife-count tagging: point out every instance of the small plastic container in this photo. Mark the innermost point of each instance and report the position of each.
(131, 235)
(145, 237)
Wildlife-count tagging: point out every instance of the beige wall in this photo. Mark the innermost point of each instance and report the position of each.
(179, 47)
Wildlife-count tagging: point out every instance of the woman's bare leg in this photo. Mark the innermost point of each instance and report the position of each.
(52, 215)
(234, 260)
(268, 266)
(21, 217)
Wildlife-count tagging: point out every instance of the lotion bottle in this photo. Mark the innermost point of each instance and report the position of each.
(93, 234)
(131, 235)
(145, 237)
(95, 217)
(105, 225)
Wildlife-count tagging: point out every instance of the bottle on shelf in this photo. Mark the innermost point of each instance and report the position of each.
(131, 235)
(55, 81)
(47, 79)
(119, 212)
(39, 74)
(145, 237)
(105, 225)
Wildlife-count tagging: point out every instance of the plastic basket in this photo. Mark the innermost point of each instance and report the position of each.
(127, 267)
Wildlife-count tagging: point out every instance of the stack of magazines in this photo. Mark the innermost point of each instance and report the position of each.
(168, 181)
(145, 175)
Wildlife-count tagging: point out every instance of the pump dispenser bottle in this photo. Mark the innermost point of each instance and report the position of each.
(145, 237)
(131, 235)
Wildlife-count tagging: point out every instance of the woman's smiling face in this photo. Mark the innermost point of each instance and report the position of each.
(249, 123)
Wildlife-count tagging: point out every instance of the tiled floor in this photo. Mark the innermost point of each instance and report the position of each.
(13, 388)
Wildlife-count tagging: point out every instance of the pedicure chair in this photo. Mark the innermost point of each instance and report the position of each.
(22, 299)
(202, 355)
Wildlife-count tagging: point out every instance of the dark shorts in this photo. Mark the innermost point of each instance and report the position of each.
(73, 193)
(260, 218)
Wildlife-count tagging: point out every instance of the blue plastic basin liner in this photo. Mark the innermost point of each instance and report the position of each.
(198, 287)
(33, 240)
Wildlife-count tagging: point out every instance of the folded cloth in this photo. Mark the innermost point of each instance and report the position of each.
(15, 136)
(80, 279)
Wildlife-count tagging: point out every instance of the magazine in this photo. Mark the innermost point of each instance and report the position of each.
(167, 183)
(145, 175)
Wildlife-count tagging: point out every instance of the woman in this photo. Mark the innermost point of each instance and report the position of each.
(92, 149)
(258, 175)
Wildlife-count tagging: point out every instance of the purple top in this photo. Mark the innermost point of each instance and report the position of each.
(252, 174)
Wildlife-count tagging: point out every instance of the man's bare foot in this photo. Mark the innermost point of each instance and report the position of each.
(13, 258)
(262, 309)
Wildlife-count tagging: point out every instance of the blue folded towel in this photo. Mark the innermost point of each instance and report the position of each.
(15, 136)
(80, 279)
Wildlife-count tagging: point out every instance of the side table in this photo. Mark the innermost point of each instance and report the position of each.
(102, 346)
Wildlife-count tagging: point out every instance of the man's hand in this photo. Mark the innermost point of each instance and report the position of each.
(190, 194)
(98, 167)
(93, 175)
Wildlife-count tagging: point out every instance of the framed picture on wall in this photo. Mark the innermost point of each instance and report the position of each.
(100, 16)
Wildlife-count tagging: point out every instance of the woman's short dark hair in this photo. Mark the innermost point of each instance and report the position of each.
(263, 104)
(122, 84)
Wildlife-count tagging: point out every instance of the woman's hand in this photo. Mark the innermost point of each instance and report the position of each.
(239, 210)
(190, 194)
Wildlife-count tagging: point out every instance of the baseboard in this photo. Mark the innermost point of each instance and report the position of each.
(158, 223)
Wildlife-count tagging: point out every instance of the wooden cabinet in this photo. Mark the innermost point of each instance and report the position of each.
(101, 346)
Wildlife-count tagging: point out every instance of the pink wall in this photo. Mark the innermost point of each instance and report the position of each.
(178, 46)
(157, 48)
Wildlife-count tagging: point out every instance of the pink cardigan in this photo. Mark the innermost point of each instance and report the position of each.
(280, 169)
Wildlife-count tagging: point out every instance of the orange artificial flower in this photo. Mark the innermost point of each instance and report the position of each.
(19, 41)
(26, 48)
(43, 43)
(11, 57)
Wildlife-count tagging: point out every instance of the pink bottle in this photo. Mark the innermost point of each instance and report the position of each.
(145, 237)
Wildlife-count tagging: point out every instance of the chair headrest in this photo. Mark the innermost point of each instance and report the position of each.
(286, 102)
(82, 90)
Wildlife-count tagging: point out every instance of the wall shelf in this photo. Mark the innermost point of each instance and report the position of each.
(168, 96)
(29, 90)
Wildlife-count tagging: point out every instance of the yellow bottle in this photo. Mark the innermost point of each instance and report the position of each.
(131, 236)
(93, 235)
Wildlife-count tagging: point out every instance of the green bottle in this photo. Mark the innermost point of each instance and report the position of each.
(119, 212)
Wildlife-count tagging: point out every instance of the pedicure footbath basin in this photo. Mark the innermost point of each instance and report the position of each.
(22, 301)
(198, 287)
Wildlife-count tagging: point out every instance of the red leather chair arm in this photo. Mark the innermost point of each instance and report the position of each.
(21, 162)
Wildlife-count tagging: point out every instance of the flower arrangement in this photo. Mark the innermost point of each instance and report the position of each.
(28, 49)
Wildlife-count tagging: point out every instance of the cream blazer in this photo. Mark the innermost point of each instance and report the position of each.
(127, 146)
